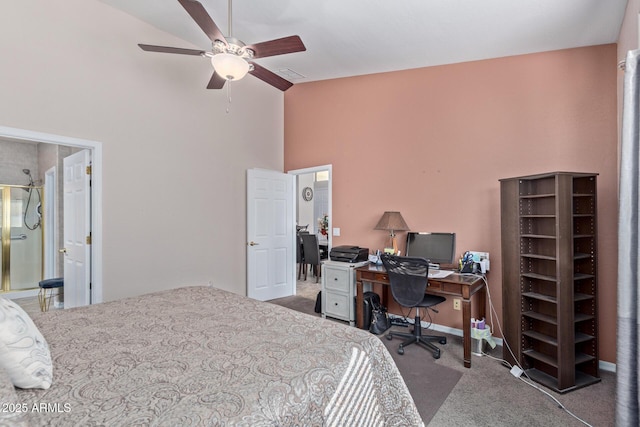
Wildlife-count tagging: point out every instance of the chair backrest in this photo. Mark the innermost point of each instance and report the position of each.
(408, 278)
(310, 248)
(299, 249)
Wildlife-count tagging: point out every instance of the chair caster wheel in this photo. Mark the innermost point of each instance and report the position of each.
(436, 354)
(443, 341)
(400, 350)
(389, 336)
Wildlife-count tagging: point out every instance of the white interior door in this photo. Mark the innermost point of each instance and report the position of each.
(77, 229)
(270, 235)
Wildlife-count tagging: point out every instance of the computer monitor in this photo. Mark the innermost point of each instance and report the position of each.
(438, 248)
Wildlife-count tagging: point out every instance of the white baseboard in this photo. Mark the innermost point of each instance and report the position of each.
(607, 366)
(21, 294)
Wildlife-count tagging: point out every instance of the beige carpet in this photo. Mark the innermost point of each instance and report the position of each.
(308, 289)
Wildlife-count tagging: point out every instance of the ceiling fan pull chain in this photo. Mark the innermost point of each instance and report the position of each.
(228, 96)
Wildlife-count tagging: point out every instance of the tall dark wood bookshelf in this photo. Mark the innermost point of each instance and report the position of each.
(549, 277)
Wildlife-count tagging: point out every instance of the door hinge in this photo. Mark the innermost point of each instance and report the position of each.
(89, 239)
(89, 170)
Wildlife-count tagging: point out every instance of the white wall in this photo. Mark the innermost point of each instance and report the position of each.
(305, 208)
(174, 162)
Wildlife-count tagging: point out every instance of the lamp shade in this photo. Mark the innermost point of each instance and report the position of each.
(392, 221)
(230, 66)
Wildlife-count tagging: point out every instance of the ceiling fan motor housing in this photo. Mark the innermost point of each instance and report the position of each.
(233, 46)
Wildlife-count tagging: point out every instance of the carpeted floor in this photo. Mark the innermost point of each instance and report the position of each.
(487, 394)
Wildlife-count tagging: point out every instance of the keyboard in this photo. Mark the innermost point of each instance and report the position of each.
(439, 274)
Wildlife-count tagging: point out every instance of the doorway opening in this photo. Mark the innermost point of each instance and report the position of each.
(95, 148)
(313, 203)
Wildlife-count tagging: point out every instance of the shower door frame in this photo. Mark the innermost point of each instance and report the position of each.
(5, 238)
(23, 135)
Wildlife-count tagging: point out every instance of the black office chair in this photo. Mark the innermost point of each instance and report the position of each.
(312, 254)
(408, 279)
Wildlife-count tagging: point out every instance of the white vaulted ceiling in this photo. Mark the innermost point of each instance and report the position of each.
(355, 37)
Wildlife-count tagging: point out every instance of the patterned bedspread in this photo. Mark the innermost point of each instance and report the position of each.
(203, 356)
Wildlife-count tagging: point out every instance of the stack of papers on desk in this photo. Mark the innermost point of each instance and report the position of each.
(439, 274)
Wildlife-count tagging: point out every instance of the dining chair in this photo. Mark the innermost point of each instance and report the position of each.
(300, 252)
(312, 254)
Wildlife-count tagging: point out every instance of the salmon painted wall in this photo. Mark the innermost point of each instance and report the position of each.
(432, 143)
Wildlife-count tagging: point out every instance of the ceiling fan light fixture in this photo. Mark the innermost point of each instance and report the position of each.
(230, 57)
(230, 66)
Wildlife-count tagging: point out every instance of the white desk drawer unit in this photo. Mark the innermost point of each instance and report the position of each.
(338, 290)
(336, 279)
(337, 306)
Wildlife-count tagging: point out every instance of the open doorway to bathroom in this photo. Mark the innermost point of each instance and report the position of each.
(42, 155)
(28, 179)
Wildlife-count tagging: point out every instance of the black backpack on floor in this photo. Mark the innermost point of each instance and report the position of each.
(318, 308)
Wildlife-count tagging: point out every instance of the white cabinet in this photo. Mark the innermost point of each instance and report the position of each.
(338, 290)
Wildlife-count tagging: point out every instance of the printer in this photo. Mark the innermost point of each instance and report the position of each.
(349, 254)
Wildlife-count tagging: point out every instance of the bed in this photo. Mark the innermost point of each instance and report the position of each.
(204, 356)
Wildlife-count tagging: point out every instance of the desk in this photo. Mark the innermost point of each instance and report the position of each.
(455, 285)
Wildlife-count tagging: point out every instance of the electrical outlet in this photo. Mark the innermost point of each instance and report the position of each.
(456, 304)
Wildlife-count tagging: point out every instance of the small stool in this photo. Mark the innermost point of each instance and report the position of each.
(47, 286)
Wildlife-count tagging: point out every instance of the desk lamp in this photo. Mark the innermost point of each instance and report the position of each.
(392, 222)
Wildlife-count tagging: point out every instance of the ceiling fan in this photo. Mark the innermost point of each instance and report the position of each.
(230, 57)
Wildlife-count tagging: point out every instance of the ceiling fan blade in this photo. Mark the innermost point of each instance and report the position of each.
(269, 77)
(216, 82)
(277, 47)
(166, 49)
(199, 14)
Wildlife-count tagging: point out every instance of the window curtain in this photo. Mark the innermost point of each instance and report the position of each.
(628, 344)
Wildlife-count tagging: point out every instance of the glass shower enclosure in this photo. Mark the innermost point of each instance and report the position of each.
(21, 261)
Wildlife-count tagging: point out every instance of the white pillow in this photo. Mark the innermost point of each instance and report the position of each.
(24, 353)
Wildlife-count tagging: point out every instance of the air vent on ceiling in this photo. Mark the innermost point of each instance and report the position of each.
(290, 74)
